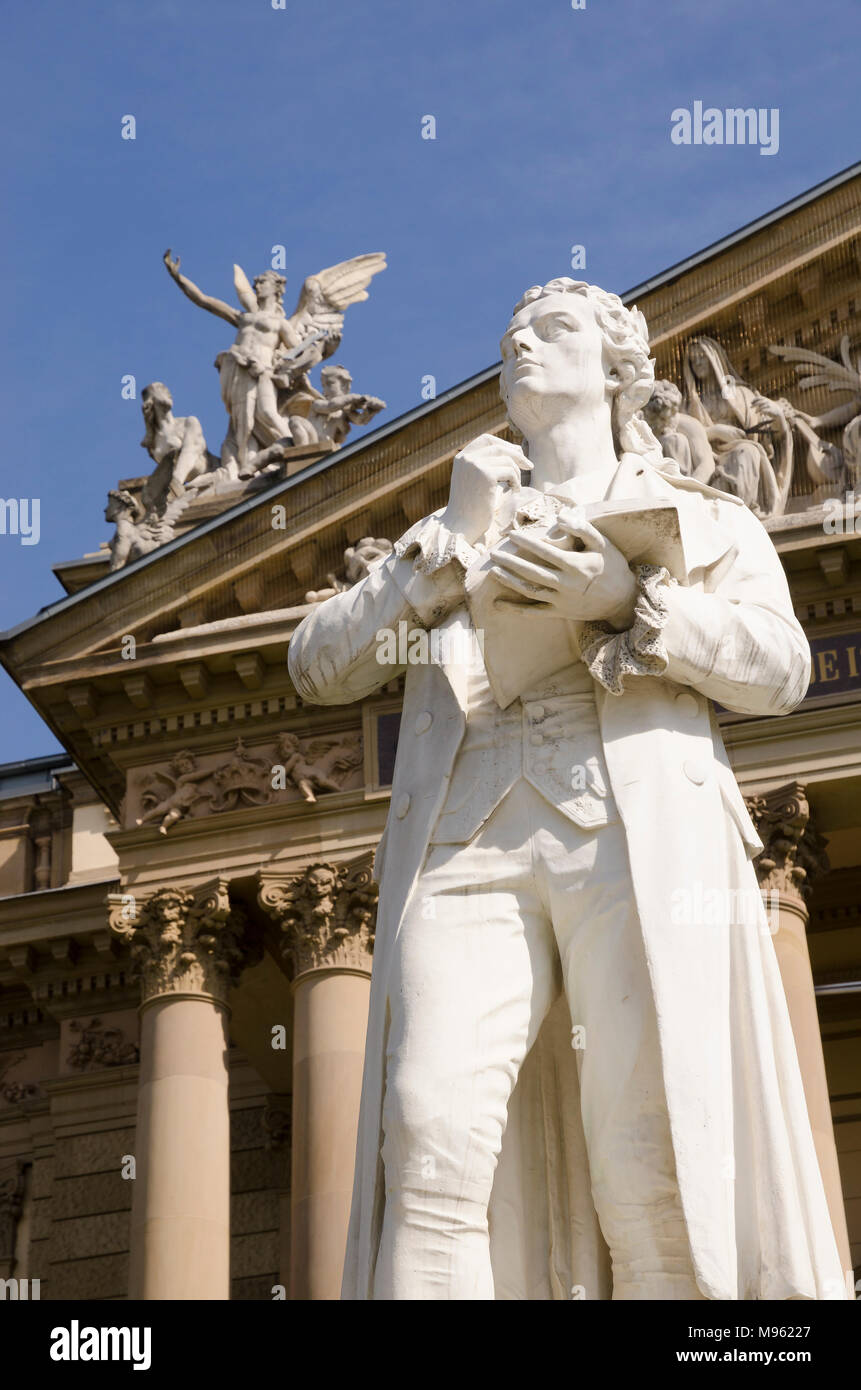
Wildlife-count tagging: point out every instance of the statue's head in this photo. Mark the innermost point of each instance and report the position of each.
(156, 397)
(572, 345)
(336, 381)
(269, 285)
(120, 503)
(663, 405)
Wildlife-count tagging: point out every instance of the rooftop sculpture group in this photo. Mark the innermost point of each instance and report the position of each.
(271, 403)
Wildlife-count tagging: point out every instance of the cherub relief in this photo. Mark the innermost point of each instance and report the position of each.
(311, 766)
(184, 780)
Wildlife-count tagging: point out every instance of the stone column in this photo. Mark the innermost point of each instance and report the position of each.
(327, 914)
(793, 854)
(186, 948)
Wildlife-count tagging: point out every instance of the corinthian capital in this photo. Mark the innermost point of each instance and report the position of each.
(327, 914)
(793, 851)
(182, 940)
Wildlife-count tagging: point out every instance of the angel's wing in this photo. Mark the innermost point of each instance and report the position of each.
(831, 374)
(149, 791)
(335, 754)
(244, 289)
(328, 294)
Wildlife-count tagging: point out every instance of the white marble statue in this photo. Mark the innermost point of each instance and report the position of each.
(681, 436)
(176, 445)
(273, 353)
(757, 442)
(358, 560)
(578, 1082)
(315, 416)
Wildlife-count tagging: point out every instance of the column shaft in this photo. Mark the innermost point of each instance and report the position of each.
(330, 1021)
(793, 958)
(181, 1200)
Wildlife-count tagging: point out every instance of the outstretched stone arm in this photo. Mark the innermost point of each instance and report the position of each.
(197, 296)
(335, 652)
(735, 640)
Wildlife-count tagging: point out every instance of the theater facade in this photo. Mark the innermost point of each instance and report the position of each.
(187, 900)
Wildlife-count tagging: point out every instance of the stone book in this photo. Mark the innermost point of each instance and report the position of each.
(521, 646)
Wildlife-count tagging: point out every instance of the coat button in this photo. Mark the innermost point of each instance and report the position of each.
(537, 711)
(536, 739)
(402, 807)
(695, 772)
(688, 705)
(423, 722)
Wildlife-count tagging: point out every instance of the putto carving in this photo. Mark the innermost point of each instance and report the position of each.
(318, 764)
(328, 416)
(359, 560)
(183, 779)
(13, 1092)
(327, 914)
(100, 1046)
(308, 765)
(793, 852)
(183, 941)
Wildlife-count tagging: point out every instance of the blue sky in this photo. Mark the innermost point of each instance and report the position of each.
(257, 126)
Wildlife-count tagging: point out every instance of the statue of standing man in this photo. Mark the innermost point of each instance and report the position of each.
(577, 1082)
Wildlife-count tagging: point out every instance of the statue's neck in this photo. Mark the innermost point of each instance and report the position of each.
(569, 449)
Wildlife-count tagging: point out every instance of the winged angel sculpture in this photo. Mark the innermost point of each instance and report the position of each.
(267, 366)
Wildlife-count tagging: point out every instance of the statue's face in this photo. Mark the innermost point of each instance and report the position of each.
(321, 882)
(699, 362)
(552, 356)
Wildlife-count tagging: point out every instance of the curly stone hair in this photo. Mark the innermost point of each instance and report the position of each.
(279, 284)
(626, 346)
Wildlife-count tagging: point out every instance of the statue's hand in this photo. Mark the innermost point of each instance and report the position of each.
(172, 266)
(480, 474)
(573, 572)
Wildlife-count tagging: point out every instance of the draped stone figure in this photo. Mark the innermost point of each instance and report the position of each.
(579, 1081)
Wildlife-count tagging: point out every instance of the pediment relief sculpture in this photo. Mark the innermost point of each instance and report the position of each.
(722, 431)
(815, 370)
(296, 766)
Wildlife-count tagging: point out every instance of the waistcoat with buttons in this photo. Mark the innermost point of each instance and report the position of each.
(550, 738)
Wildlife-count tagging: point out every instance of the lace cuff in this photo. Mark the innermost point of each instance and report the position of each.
(436, 545)
(611, 656)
